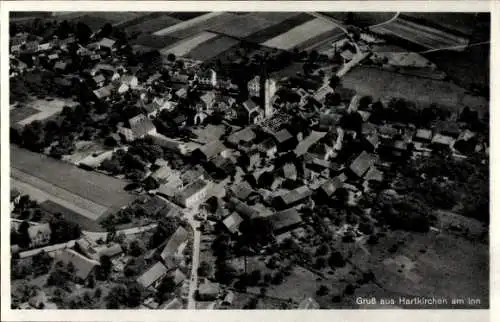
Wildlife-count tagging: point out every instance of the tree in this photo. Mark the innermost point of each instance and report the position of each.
(320, 263)
(334, 81)
(254, 277)
(277, 278)
(135, 249)
(24, 237)
(336, 259)
(41, 263)
(104, 269)
(322, 290)
(205, 269)
(150, 183)
(171, 57)
(349, 289)
(134, 295)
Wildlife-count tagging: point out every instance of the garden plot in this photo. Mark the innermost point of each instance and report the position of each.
(296, 36)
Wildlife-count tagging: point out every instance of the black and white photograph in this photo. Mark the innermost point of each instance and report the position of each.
(256, 160)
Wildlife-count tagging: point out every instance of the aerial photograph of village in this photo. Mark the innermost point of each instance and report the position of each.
(249, 160)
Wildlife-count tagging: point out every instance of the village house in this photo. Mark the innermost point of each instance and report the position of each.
(194, 194)
(285, 220)
(292, 198)
(208, 291)
(170, 252)
(363, 162)
(207, 78)
(107, 44)
(39, 235)
(232, 222)
(84, 267)
(153, 276)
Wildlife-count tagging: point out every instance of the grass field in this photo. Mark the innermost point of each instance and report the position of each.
(276, 30)
(57, 177)
(212, 47)
(183, 47)
(299, 34)
(115, 16)
(384, 84)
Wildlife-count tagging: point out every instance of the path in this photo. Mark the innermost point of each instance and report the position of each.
(386, 22)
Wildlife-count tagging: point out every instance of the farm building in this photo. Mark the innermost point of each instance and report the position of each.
(179, 237)
(285, 220)
(152, 277)
(362, 164)
(84, 267)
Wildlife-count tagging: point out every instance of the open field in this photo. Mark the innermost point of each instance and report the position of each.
(422, 35)
(427, 265)
(278, 29)
(192, 26)
(152, 24)
(244, 25)
(45, 109)
(384, 84)
(96, 192)
(296, 36)
(320, 40)
(94, 22)
(183, 47)
(453, 21)
(156, 42)
(212, 47)
(41, 191)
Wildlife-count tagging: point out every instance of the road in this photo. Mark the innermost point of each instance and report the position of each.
(386, 22)
(195, 261)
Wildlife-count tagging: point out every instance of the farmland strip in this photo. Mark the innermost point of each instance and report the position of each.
(187, 24)
(273, 31)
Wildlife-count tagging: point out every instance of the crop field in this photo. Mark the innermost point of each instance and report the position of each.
(385, 84)
(245, 25)
(152, 25)
(94, 22)
(212, 47)
(90, 191)
(193, 26)
(156, 42)
(183, 47)
(296, 36)
(320, 40)
(454, 21)
(425, 36)
(277, 29)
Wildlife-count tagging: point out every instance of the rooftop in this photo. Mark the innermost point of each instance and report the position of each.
(153, 274)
